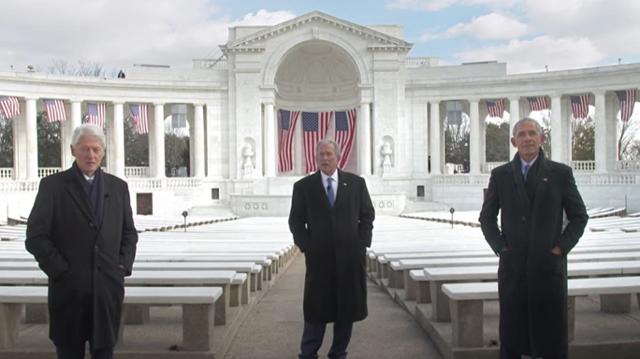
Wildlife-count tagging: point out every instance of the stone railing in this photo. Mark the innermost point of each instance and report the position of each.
(136, 172)
(169, 183)
(583, 166)
(6, 172)
(19, 186)
(489, 166)
(46, 171)
(628, 166)
(463, 179)
(607, 179)
(421, 61)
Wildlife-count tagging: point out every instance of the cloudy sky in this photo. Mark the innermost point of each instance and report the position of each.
(527, 34)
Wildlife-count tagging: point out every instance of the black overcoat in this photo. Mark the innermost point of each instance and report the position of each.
(532, 281)
(82, 256)
(334, 241)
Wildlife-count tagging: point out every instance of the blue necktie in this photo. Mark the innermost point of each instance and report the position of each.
(525, 170)
(331, 195)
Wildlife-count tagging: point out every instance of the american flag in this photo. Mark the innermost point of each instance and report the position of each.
(314, 128)
(580, 106)
(495, 108)
(96, 113)
(55, 110)
(10, 106)
(345, 131)
(286, 126)
(538, 103)
(138, 114)
(627, 100)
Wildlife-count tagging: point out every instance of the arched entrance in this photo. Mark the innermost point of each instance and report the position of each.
(318, 77)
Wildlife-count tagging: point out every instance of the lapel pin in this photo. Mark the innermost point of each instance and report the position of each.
(344, 184)
(545, 179)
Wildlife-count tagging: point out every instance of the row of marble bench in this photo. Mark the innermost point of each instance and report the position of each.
(202, 272)
(456, 280)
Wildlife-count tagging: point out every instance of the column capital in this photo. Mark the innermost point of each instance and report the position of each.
(158, 103)
(118, 102)
(196, 104)
(514, 98)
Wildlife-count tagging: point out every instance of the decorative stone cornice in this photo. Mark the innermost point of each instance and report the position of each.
(387, 42)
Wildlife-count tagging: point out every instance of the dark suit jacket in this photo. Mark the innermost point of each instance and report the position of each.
(82, 259)
(532, 281)
(334, 241)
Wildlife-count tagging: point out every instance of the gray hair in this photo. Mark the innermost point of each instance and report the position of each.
(88, 129)
(328, 142)
(523, 120)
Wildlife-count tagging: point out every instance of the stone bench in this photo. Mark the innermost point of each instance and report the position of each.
(466, 303)
(437, 277)
(222, 279)
(198, 310)
(398, 270)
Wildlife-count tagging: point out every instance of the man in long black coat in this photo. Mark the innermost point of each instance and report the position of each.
(81, 232)
(533, 194)
(331, 221)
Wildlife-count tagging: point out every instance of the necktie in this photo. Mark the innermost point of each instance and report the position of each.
(331, 195)
(525, 170)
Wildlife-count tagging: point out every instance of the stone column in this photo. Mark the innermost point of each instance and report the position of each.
(364, 139)
(601, 147)
(270, 149)
(556, 129)
(434, 141)
(198, 120)
(31, 131)
(66, 129)
(117, 140)
(514, 116)
(474, 138)
(157, 163)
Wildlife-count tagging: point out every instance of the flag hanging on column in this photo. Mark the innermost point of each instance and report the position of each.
(627, 100)
(495, 108)
(580, 106)
(286, 126)
(344, 133)
(10, 106)
(538, 103)
(55, 110)
(96, 113)
(138, 114)
(314, 128)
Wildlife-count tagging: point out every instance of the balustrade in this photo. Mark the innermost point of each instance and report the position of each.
(628, 165)
(6, 172)
(136, 172)
(583, 166)
(46, 171)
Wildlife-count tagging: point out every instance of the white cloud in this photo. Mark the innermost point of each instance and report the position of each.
(612, 25)
(532, 55)
(486, 27)
(437, 5)
(117, 32)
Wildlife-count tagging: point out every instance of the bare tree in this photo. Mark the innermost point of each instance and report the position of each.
(83, 69)
(627, 139)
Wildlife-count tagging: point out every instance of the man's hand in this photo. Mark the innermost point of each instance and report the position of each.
(557, 251)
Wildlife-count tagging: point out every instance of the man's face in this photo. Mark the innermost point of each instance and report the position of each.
(88, 153)
(327, 159)
(527, 140)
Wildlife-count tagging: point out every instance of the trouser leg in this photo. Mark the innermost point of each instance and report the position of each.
(311, 340)
(341, 339)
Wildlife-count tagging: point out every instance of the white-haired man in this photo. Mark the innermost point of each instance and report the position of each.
(81, 232)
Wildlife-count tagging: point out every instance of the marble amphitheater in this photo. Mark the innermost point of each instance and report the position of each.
(317, 62)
